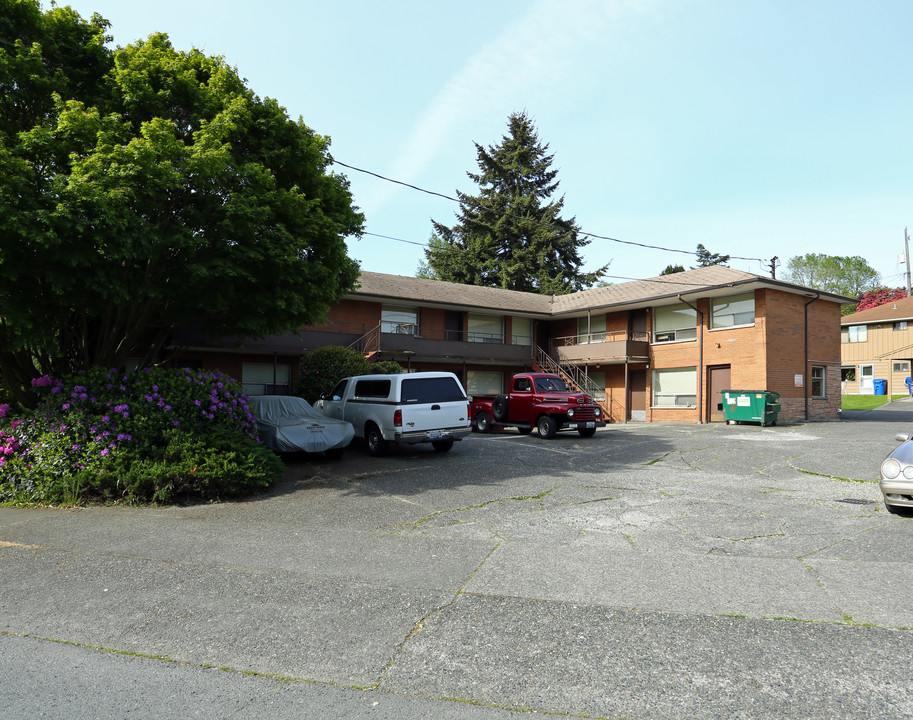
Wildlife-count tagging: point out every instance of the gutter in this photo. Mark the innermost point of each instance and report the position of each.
(805, 370)
(700, 361)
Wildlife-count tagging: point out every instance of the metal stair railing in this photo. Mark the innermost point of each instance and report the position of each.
(576, 377)
(367, 344)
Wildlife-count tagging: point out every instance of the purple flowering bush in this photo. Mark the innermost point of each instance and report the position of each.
(155, 435)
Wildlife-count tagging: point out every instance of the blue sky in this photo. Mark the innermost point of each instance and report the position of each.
(759, 129)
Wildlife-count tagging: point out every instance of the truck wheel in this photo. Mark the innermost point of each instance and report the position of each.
(499, 408)
(483, 424)
(547, 426)
(587, 432)
(377, 446)
(442, 446)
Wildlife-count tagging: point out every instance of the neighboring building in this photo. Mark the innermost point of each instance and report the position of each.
(660, 349)
(877, 344)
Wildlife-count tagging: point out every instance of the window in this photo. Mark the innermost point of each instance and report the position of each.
(372, 388)
(431, 390)
(732, 311)
(522, 384)
(597, 378)
(818, 374)
(485, 328)
(265, 378)
(900, 325)
(675, 388)
(550, 385)
(674, 323)
(484, 382)
(901, 367)
(591, 329)
(398, 319)
(521, 331)
(854, 334)
(338, 392)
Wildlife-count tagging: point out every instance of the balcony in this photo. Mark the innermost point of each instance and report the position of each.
(606, 348)
(398, 340)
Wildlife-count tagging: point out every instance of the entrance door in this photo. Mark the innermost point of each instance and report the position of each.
(866, 379)
(718, 379)
(637, 380)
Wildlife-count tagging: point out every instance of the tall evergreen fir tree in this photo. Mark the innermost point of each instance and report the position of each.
(511, 235)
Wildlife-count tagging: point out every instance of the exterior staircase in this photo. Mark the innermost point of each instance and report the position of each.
(573, 376)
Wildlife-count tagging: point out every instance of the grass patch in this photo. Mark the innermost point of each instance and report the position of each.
(866, 402)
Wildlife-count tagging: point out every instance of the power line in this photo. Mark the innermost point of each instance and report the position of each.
(582, 232)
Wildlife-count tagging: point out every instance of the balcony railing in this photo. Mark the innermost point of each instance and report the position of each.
(605, 347)
(435, 343)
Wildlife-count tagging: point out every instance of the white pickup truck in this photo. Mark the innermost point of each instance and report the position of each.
(404, 408)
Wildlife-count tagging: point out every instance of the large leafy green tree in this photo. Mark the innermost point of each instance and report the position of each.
(512, 235)
(146, 189)
(843, 275)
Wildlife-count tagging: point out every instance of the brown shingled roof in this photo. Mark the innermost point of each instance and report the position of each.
(895, 310)
(636, 292)
(437, 292)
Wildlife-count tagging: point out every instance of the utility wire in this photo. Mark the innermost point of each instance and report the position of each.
(582, 232)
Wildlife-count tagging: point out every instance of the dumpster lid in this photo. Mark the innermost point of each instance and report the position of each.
(751, 392)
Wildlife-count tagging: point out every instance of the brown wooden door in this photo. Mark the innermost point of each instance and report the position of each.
(718, 379)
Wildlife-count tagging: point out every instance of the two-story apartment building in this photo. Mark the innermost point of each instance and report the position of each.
(877, 344)
(660, 349)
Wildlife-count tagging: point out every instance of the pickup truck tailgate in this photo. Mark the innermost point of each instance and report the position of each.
(430, 404)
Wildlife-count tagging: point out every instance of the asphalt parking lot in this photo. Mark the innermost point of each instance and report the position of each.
(652, 571)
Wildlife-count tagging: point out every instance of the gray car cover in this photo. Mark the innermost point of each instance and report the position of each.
(290, 424)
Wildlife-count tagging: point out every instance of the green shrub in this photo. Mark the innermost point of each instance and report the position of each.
(387, 367)
(322, 368)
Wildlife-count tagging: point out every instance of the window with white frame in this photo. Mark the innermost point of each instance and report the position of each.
(903, 366)
(399, 319)
(675, 387)
(485, 328)
(674, 323)
(854, 334)
(484, 382)
(818, 381)
(732, 311)
(521, 331)
(591, 329)
(265, 378)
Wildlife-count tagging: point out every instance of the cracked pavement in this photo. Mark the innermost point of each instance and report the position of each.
(652, 571)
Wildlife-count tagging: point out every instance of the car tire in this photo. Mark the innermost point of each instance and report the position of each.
(377, 446)
(547, 427)
(586, 432)
(499, 408)
(483, 424)
(524, 430)
(442, 446)
(900, 510)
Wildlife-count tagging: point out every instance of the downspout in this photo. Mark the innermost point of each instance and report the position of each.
(700, 362)
(805, 383)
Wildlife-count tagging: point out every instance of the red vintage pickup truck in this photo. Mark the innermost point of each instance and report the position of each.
(537, 400)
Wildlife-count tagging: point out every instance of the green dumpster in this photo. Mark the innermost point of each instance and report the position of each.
(758, 406)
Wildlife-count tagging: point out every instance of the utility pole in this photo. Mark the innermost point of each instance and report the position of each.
(773, 268)
(906, 239)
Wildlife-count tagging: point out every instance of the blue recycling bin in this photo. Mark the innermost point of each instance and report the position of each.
(881, 387)
(909, 381)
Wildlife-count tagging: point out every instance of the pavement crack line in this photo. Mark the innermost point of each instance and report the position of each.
(417, 628)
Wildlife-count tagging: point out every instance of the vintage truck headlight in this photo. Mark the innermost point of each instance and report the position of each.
(598, 411)
(570, 413)
(890, 468)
